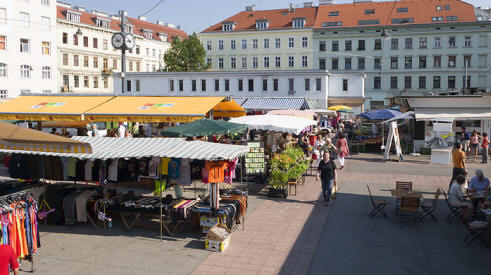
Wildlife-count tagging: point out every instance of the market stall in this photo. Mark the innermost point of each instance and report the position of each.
(276, 123)
(307, 114)
(204, 127)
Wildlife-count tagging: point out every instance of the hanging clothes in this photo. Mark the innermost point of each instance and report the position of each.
(153, 167)
(113, 170)
(216, 170)
(229, 173)
(88, 170)
(164, 166)
(174, 167)
(72, 168)
(185, 173)
(214, 195)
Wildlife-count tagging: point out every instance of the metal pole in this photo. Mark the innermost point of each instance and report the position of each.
(123, 53)
(465, 78)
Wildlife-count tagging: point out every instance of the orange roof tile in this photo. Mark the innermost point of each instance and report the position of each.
(278, 19)
(421, 11)
(90, 19)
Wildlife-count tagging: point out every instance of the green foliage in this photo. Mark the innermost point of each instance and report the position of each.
(186, 55)
(289, 164)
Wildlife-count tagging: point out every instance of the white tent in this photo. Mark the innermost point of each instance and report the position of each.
(276, 123)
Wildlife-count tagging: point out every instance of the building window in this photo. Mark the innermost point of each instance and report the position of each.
(232, 45)
(437, 61)
(94, 43)
(4, 94)
(262, 24)
(345, 85)
(128, 85)
(422, 82)
(436, 82)
(423, 43)
(307, 84)
(137, 86)
(220, 62)
(452, 18)
(291, 61)
(244, 44)
(422, 62)
(208, 45)
(451, 61)
(254, 43)
(291, 84)
(394, 63)
(304, 61)
(95, 63)
(371, 11)
(46, 72)
(437, 18)
(408, 43)
(233, 62)
(193, 85)
(277, 43)
(105, 45)
(96, 82)
(227, 85)
(393, 82)
(334, 63)
(368, 22)
(291, 42)
(25, 71)
(3, 43)
(377, 82)
(240, 84)
(103, 23)
(394, 43)
(73, 16)
(347, 45)
(451, 82)
(438, 43)
(298, 23)
(171, 85)
(467, 41)
(244, 63)
(322, 63)
(65, 59)
(65, 38)
(203, 85)
(266, 62)
(137, 49)
(220, 45)
(361, 63)
(217, 85)
(76, 81)
(402, 9)
(277, 62)
(265, 84)
(208, 62)
(266, 43)
(138, 67)
(377, 63)
(255, 62)
(228, 27)
(305, 42)
(75, 40)
(86, 81)
(322, 46)
(154, 53)
(86, 41)
(275, 85)
(407, 82)
(24, 45)
(451, 42)
(408, 62)
(467, 61)
(318, 84)
(347, 63)
(361, 45)
(483, 41)
(86, 61)
(335, 46)
(334, 13)
(24, 19)
(378, 44)
(3, 70)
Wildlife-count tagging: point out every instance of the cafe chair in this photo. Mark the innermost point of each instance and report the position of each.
(402, 186)
(378, 206)
(454, 210)
(409, 209)
(429, 207)
(477, 229)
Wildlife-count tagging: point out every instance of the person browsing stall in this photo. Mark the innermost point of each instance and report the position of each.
(327, 172)
(485, 147)
(479, 182)
(458, 157)
(457, 197)
(7, 259)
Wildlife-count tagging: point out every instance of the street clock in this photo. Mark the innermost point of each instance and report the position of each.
(118, 40)
(129, 41)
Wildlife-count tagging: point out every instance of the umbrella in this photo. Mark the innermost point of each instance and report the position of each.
(339, 108)
(204, 127)
(383, 114)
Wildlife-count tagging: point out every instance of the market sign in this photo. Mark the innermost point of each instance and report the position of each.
(158, 105)
(48, 104)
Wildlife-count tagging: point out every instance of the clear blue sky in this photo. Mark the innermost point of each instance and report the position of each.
(197, 15)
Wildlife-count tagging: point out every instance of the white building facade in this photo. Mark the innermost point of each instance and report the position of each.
(312, 85)
(28, 59)
(86, 57)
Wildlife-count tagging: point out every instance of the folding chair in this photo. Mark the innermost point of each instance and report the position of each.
(454, 210)
(409, 209)
(476, 232)
(404, 186)
(378, 206)
(429, 207)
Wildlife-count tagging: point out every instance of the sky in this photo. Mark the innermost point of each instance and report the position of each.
(197, 15)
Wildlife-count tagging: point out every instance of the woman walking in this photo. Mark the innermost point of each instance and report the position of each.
(474, 141)
(485, 147)
(343, 150)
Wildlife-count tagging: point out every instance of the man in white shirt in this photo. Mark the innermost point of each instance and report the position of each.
(457, 197)
(121, 130)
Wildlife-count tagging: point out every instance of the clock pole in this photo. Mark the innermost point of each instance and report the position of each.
(123, 53)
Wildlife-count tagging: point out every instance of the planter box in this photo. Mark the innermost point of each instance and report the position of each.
(277, 193)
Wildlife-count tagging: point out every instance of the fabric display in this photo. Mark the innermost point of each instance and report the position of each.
(113, 170)
(240, 201)
(19, 224)
(159, 187)
(75, 206)
(183, 206)
(153, 167)
(164, 166)
(229, 173)
(216, 171)
(174, 168)
(185, 173)
(214, 195)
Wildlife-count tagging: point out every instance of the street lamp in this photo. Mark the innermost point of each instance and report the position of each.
(79, 32)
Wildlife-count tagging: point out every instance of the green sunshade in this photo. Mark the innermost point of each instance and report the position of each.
(204, 127)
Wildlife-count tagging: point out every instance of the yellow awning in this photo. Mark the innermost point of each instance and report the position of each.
(13, 137)
(153, 109)
(50, 108)
(228, 109)
(65, 124)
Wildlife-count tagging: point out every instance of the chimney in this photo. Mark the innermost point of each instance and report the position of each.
(159, 22)
(326, 2)
(178, 27)
(291, 8)
(308, 4)
(142, 18)
(250, 8)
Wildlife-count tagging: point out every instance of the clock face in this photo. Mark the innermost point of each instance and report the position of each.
(117, 40)
(129, 41)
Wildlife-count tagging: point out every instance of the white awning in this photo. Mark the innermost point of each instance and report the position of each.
(446, 114)
(113, 148)
(276, 123)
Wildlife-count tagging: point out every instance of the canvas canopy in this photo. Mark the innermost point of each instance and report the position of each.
(204, 127)
(276, 123)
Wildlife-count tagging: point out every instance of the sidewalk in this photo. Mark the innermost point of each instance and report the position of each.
(279, 237)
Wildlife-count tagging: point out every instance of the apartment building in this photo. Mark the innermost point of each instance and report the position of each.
(27, 47)
(86, 57)
(262, 40)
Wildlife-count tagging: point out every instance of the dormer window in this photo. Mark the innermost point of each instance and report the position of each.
(148, 34)
(163, 37)
(73, 16)
(128, 28)
(334, 13)
(298, 22)
(262, 24)
(228, 26)
(103, 23)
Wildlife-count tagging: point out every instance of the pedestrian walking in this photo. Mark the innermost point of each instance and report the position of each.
(458, 157)
(485, 147)
(343, 149)
(327, 172)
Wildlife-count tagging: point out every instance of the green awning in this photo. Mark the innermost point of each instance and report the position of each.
(204, 127)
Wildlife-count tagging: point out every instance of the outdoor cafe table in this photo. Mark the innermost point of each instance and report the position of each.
(399, 193)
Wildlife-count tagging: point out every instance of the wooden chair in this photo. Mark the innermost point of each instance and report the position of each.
(291, 184)
(404, 186)
(454, 210)
(378, 206)
(409, 209)
(429, 207)
(476, 232)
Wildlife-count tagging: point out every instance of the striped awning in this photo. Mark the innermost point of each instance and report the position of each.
(240, 100)
(15, 139)
(114, 148)
(273, 103)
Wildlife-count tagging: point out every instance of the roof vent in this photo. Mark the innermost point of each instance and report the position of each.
(250, 8)
(308, 4)
(326, 2)
(142, 18)
(159, 22)
(291, 8)
(80, 9)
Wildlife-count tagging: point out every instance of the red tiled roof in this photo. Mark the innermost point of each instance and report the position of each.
(278, 19)
(421, 11)
(139, 25)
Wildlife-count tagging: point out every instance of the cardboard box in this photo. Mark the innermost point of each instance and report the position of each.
(218, 238)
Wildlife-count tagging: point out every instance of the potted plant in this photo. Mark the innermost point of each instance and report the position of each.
(288, 165)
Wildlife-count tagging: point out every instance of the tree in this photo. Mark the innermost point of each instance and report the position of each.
(186, 55)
